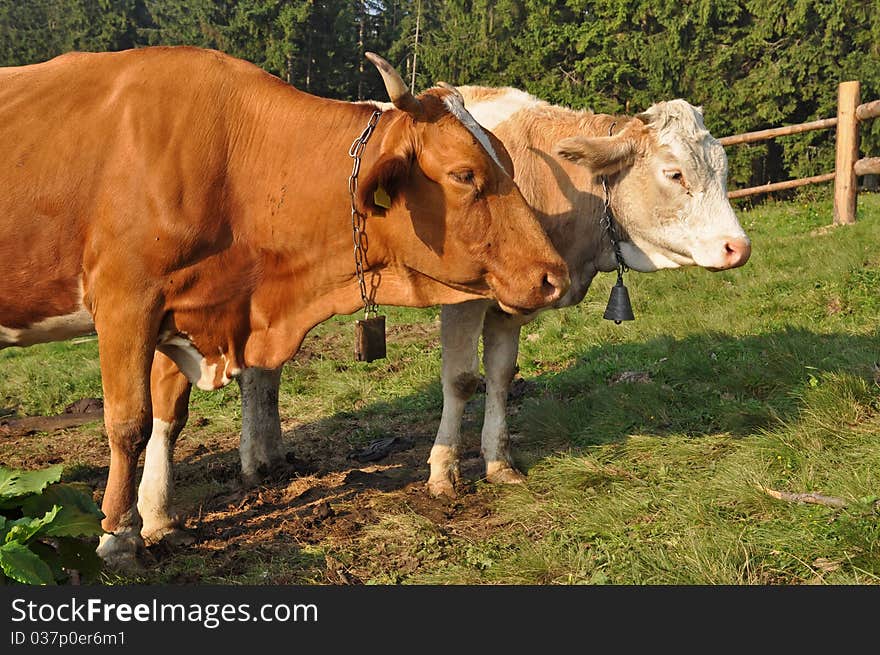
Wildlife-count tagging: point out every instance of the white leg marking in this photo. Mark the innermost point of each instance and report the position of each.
(444, 470)
(459, 334)
(500, 349)
(157, 482)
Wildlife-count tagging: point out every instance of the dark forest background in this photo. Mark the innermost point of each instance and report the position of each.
(751, 64)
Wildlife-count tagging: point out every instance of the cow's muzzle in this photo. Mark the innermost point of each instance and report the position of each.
(736, 253)
(549, 285)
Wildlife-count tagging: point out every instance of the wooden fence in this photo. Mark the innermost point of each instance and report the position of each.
(847, 168)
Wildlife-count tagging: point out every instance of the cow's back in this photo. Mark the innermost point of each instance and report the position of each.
(95, 148)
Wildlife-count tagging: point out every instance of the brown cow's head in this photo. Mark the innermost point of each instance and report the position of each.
(455, 214)
(669, 189)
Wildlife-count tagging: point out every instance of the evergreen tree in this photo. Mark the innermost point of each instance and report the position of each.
(751, 64)
(38, 30)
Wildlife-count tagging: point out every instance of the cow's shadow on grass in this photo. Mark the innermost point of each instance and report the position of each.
(702, 385)
(707, 384)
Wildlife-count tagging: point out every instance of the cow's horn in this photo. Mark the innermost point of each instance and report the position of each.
(396, 87)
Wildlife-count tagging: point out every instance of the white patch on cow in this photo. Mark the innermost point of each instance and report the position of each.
(491, 113)
(456, 108)
(443, 460)
(157, 482)
(381, 106)
(209, 372)
(644, 258)
(54, 328)
(190, 361)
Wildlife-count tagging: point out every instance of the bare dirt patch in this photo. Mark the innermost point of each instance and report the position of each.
(304, 524)
(322, 501)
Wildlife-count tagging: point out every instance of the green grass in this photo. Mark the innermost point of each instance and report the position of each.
(765, 377)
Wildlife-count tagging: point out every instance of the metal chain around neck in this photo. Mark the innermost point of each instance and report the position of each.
(358, 220)
(608, 223)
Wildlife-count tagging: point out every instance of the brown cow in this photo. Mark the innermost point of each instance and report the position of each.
(181, 200)
(666, 179)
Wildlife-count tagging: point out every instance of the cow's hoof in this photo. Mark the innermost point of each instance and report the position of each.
(444, 471)
(441, 488)
(257, 475)
(250, 480)
(505, 474)
(172, 535)
(120, 553)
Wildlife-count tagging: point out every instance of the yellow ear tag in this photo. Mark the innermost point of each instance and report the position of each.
(381, 197)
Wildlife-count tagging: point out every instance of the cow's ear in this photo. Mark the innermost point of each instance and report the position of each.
(501, 151)
(604, 155)
(379, 188)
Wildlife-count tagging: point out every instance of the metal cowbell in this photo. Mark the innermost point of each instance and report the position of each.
(369, 339)
(619, 308)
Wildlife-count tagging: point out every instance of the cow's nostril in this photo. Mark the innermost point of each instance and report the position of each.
(553, 286)
(737, 252)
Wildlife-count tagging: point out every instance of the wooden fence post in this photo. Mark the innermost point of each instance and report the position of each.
(845, 183)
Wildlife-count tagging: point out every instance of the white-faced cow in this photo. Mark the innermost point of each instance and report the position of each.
(666, 187)
(195, 212)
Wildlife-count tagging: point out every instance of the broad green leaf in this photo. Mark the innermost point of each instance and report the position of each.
(15, 483)
(79, 515)
(51, 558)
(24, 529)
(80, 555)
(21, 564)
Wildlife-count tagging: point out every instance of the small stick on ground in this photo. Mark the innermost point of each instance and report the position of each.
(815, 499)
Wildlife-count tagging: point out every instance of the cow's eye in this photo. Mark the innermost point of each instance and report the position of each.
(675, 175)
(463, 177)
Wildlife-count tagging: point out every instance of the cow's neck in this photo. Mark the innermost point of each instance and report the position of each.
(298, 218)
(300, 222)
(604, 190)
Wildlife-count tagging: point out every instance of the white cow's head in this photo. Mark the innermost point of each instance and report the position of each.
(668, 181)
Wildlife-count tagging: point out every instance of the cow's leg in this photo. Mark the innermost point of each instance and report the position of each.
(126, 340)
(460, 327)
(500, 348)
(260, 446)
(170, 395)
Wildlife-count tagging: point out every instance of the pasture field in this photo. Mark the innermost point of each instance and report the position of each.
(651, 447)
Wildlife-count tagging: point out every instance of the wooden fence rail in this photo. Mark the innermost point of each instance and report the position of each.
(847, 167)
(763, 135)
